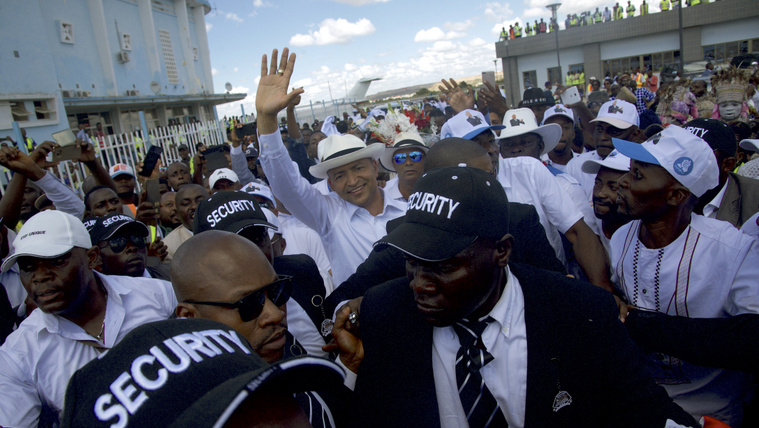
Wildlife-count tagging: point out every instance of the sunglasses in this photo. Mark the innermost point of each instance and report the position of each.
(414, 156)
(251, 306)
(119, 243)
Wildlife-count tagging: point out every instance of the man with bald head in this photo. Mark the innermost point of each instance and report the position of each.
(178, 174)
(530, 242)
(224, 277)
(187, 200)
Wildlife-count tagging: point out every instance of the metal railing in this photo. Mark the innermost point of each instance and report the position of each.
(130, 149)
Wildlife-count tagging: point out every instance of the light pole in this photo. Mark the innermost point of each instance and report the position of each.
(553, 8)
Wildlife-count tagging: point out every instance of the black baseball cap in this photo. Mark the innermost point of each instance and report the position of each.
(231, 211)
(183, 372)
(251, 152)
(103, 228)
(448, 209)
(533, 97)
(717, 133)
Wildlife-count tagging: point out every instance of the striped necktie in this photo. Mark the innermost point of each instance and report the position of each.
(480, 406)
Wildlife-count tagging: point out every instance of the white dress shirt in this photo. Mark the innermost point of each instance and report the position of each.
(709, 271)
(301, 239)
(392, 191)
(528, 181)
(61, 196)
(37, 360)
(505, 376)
(710, 210)
(347, 231)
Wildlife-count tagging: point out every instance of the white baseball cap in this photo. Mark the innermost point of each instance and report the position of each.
(522, 121)
(119, 169)
(614, 160)
(749, 144)
(688, 158)
(258, 189)
(467, 124)
(222, 174)
(559, 110)
(618, 113)
(46, 235)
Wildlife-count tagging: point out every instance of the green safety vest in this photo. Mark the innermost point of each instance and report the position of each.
(664, 5)
(504, 34)
(517, 31)
(29, 144)
(573, 22)
(695, 2)
(630, 10)
(568, 80)
(582, 78)
(576, 80)
(598, 17)
(618, 13)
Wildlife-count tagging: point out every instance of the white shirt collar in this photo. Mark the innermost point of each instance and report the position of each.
(710, 210)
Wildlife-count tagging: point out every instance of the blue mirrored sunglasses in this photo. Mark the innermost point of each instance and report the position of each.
(414, 156)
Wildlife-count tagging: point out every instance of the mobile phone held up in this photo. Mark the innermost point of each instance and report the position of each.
(571, 96)
(151, 159)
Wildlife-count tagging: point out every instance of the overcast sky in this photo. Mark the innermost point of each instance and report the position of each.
(406, 42)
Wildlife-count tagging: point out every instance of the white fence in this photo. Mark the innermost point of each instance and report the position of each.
(130, 149)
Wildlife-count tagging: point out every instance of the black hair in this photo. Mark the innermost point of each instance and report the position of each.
(93, 190)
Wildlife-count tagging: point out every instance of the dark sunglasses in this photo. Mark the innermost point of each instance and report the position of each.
(119, 243)
(414, 156)
(251, 306)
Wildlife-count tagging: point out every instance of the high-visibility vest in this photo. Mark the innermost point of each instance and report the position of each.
(598, 17)
(640, 79)
(630, 10)
(695, 2)
(517, 31)
(568, 80)
(644, 9)
(664, 5)
(573, 22)
(582, 78)
(29, 144)
(528, 30)
(618, 13)
(575, 79)
(504, 35)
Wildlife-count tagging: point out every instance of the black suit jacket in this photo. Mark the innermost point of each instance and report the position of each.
(575, 344)
(530, 247)
(308, 285)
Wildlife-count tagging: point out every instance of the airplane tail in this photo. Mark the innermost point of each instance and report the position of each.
(358, 91)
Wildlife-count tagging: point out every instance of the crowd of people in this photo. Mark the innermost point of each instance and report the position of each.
(349, 272)
(617, 12)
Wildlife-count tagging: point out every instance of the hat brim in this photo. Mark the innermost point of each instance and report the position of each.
(550, 133)
(243, 224)
(135, 225)
(749, 144)
(122, 173)
(292, 375)
(592, 166)
(478, 131)
(424, 242)
(49, 251)
(634, 151)
(372, 151)
(386, 159)
(613, 121)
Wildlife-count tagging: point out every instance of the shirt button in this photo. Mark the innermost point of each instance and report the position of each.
(645, 291)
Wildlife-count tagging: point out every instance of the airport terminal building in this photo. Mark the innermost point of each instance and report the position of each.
(122, 63)
(713, 31)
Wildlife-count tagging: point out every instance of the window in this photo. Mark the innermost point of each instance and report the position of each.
(554, 75)
(724, 52)
(529, 79)
(28, 112)
(92, 120)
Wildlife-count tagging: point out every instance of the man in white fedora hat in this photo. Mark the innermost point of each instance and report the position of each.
(350, 218)
(559, 200)
(406, 158)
